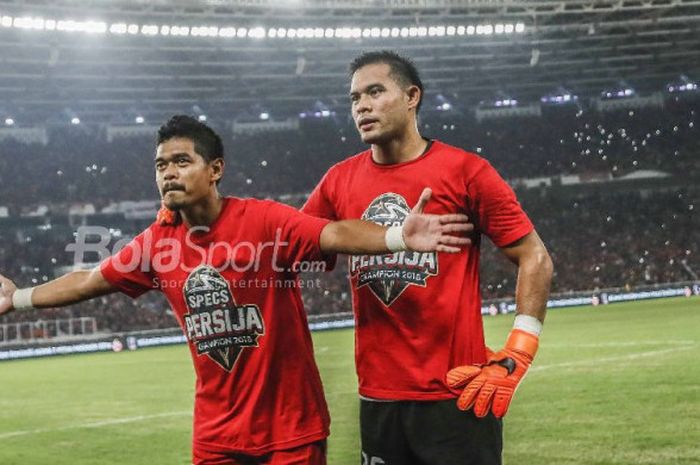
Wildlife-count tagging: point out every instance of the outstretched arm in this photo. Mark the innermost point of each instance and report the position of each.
(420, 232)
(68, 289)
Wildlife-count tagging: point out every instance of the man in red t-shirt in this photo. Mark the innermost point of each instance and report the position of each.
(226, 267)
(418, 315)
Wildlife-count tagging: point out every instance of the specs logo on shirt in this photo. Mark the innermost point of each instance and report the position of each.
(388, 276)
(217, 326)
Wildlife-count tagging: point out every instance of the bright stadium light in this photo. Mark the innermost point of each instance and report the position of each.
(259, 32)
(149, 29)
(264, 116)
(139, 119)
(9, 122)
(202, 118)
(227, 32)
(118, 28)
(75, 121)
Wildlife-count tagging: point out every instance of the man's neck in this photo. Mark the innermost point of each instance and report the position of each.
(203, 213)
(400, 150)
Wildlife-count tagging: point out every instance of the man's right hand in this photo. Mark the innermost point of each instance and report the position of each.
(7, 289)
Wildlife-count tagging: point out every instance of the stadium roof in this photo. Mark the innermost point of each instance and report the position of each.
(234, 60)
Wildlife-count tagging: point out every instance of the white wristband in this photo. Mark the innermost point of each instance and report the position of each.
(394, 239)
(22, 299)
(529, 324)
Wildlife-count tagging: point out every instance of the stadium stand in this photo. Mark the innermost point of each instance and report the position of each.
(612, 195)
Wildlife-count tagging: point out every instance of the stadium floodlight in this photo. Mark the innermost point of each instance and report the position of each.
(118, 28)
(149, 29)
(257, 33)
(227, 32)
(202, 118)
(29, 23)
(9, 122)
(560, 97)
(264, 116)
(682, 84)
(622, 90)
(260, 32)
(75, 121)
(139, 119)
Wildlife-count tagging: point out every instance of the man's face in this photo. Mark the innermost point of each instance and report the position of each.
(183, 176)
(380, 105)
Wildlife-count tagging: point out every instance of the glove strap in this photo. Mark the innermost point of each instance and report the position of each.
(522, 341)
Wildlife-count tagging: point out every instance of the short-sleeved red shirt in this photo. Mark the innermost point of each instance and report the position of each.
(258, 388)
(418, 314)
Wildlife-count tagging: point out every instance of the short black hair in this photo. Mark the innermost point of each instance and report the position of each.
(403, 70)
(207, 143)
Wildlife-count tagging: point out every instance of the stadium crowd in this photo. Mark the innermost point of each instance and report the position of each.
(604, 236)
(79, 165)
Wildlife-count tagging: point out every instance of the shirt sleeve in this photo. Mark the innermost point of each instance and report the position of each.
(498, 212)
(297, 235)
(320, 204)
(129, 270)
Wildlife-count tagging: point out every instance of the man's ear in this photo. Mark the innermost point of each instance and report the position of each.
(217, 169)
(414, 95)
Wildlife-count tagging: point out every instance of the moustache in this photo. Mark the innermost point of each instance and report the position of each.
(173, 187)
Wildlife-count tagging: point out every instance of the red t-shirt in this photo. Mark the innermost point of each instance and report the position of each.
(258, 388)
(418, 315)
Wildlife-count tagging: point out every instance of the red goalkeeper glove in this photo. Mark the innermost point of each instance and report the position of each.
(491, 386)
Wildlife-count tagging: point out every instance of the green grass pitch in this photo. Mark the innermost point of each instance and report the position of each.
(616, 384)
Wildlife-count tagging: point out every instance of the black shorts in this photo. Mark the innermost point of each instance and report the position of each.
(427, 433)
